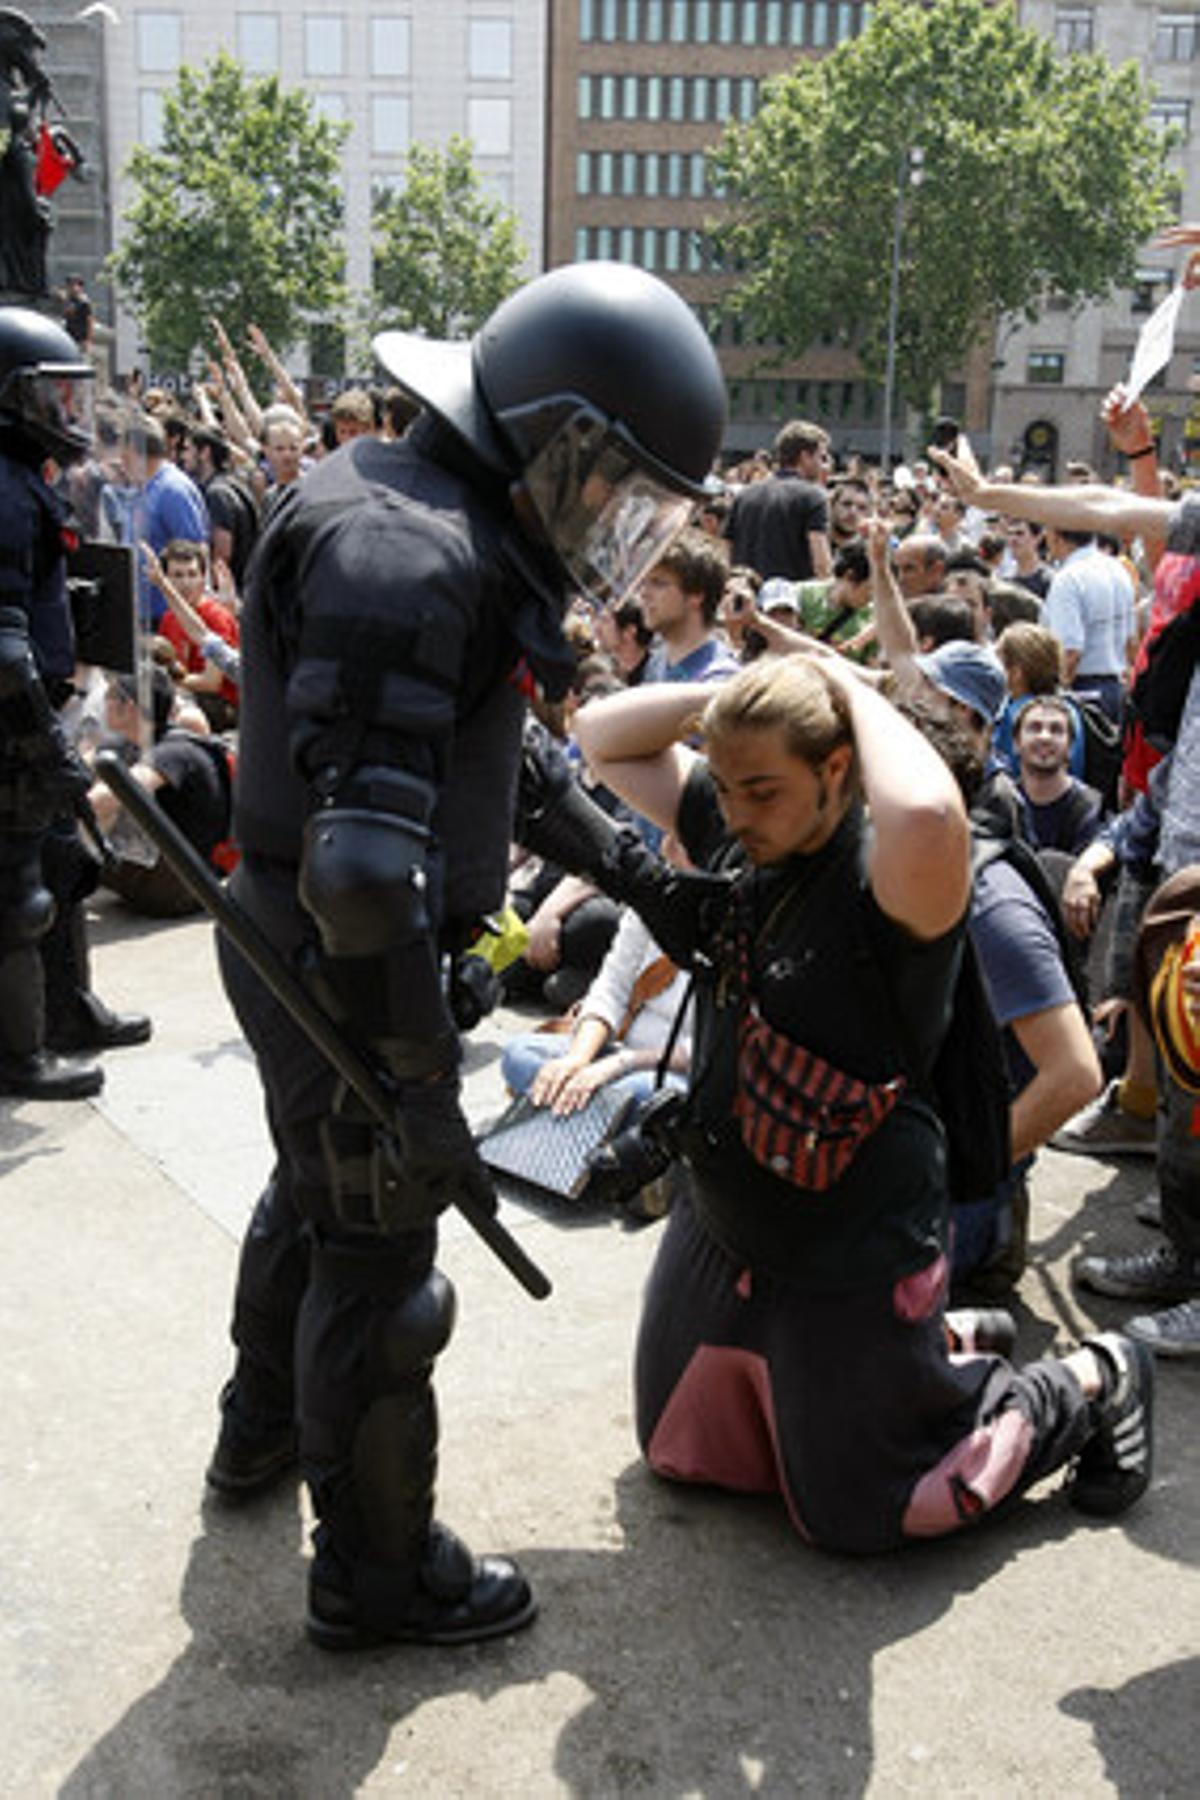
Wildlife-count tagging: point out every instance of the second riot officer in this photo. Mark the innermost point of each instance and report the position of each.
(394, 604)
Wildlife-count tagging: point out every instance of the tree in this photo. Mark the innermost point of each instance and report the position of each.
(238, 213)
(445, 253)
(1041, 176)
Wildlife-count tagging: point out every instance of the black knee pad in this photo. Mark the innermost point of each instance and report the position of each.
(406, 1338)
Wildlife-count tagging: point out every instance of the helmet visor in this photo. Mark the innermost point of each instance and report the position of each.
(607, 517)
(57, 405)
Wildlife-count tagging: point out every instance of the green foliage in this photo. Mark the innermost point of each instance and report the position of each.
(445, 254)
(239, 213)
(1042, 176)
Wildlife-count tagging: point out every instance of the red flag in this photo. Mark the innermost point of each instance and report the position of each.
(53, 166)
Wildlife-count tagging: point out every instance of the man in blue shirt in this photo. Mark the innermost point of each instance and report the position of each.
(167, 506)
(679, 599)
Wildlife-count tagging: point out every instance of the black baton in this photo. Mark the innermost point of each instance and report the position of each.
(291, 993)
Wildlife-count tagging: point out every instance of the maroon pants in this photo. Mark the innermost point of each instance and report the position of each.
(849, 1405)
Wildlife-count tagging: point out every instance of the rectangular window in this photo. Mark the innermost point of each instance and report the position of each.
(1177, 37)
(324, 47)
(722, 99)
(675, 175)
(677, 98)
(697, 171)
(654, 98)
(818, 35)
(747, 98)
(1172, 115)
(1074, 29)
(608, 96)
(150, 118)
(627, 245)
(629, 96)
(726, 22)
(604, 242)
(650, 175)
(654, 21)
(702, 21)
(489, 125)
(749, 21)
(649, 248)
(389, 46)
(629, 172)
(1046, 368)
(583, 103)
(679, 21)
(797, 21)
(608, 20)
(1149, 287)
(695, 252)
(671, 250)
(389, 124)
(583, 173)
(489, 49)
(581, 243)
(631, 21)
(330, 106)
(699, 99)
(604, 172)
(258, 42)
(159, 42)
(773, 22)
(587, 21)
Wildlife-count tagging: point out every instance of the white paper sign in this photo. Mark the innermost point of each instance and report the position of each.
(1156, 340)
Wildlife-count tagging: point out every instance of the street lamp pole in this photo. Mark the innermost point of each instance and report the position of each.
(909, 173)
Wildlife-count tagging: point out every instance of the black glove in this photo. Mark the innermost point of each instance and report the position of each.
(435, 1150)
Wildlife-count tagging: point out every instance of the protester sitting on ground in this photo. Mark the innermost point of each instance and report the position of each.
(1167, 998)
(1058, 811)
(1033, 665)
(792, 1338)
(838, 611)
(190, 779)
(618, 1031)
(203, 634)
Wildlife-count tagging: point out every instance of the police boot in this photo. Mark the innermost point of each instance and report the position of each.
(76, 1019)
(40, 1076)
(252, 1454)
(90, 1025)
(384, 1572)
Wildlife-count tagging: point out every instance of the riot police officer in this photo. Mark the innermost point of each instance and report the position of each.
(394, 602)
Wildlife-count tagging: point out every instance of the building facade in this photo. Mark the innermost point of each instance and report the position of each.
(396, 73)
(81, 213)
(1051, 377)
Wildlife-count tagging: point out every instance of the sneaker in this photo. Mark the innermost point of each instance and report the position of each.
(980, 1331)
(1175, 1332)
(1163, 1273)
(247, 1461)
(455, 1598)
(1114, 1467)
(1148, 1210)
(1105, 1129)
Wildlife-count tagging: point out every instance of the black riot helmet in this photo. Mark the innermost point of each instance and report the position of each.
(595, 390)
(46, 386)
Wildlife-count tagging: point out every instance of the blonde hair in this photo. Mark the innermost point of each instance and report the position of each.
(1035, 652)
(788, 694)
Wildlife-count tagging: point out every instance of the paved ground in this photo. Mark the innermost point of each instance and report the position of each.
(151, 1645)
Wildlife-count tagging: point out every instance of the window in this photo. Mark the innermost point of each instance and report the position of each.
(653, 106)
(583, 173)
(587, 21)
(697, 184)
(1149, 287)
(649, 248)
(583, 103)
(796, 11)
(749, 21)
(1074, 29)
(324, 52)
(604, 242)
(1046, 368)
(389, 124)
(702, 22)
(629, 172)
(631, 20)
(626, 245)
(819, 27)
(747, 98)
(699, 111)
(1177, 37)
(677, 99)
(674, 175)
(604, 172)
(150, 117)
(489, 126)
(679, 21)
(726, 22)
(389, 47)
(650, 176)
(330, 106)
(1172, 115)
(773, 22)
(608, 20)
(629, 96)
(489, 50)
(654, 21)
(581, 243)
(722, 99)
(159, 42)
(671, 250)
(258, 42)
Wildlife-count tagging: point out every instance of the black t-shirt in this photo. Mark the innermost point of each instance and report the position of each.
(193, 795)
(835, 974)
(1068, 823)
(770, 522)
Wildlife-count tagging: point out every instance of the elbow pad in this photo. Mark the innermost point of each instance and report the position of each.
(364, 870)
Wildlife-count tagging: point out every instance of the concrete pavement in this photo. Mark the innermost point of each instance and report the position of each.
(150, 1645)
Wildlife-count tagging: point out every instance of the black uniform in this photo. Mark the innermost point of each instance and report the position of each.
(381, 724)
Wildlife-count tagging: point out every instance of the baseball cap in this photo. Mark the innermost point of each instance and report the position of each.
(778, 594)
(968, 673)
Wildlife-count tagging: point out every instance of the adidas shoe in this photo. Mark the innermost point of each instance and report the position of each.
(1163, 1273)
(1175, 1332)
(1114, 1467)
(1104, 1128)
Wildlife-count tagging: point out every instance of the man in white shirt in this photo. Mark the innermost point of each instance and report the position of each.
(1089, 608)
